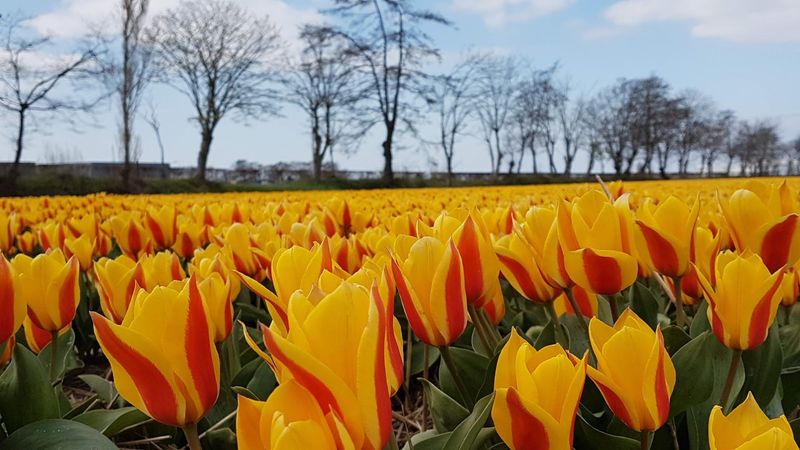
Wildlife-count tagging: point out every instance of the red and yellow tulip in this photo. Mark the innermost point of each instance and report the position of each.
(430, 282)
(743, 302)
(666, 231)
(634, 372)
(536, 395)
(49, 285)
(163, 356)
(748, 428)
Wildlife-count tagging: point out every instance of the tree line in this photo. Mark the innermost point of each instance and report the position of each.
(367, 68)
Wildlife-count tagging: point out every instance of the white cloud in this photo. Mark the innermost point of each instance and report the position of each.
(74, 18)
(497, 13)
(732, 20)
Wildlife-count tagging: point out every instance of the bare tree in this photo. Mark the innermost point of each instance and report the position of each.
(217, 54)
(30, 78)
(609, 116)
(497, 82)
(388, 39)
(717, 139)
(569, 113)
(452, 96)
(151, 117)
(127, 73)
(532, 110)
(324, 83)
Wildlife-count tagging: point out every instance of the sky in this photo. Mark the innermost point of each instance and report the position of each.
(744, 54)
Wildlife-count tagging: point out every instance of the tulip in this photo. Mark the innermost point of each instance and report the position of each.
(48, 284)
(431, 286)
(12, 304)
(205, 267)
(667, 230)
(7, 232)
(216, 291)
(705, 247)
(190, 237)
(634, 372)
(239, 248)
(116, 281)
(748, 428)
(162, 225)
(481, 265)
(765, 223)
(519, 266)
(349, 253)
(290, 419)
(596, 241)
(161, 269)
(27, 241)
(51, 235)
(131, 237)
(744, 301)
(790, 288)
(537, 393)
(163, 356)
(541, 222)
(298, 268)
(347, 377)
(82, 248)
(37, 338)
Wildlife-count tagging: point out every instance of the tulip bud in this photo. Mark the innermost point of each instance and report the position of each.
(163, 356)
(537, 395)
(634, 372)
(748, 428)
(744, 301)
(431, 286)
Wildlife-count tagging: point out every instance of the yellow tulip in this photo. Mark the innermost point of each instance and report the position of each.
(596, 240)
(290, 419)
(12, 305)
(481, 265)
(116, 281)
(748, 428)
(347, 377)
(49, 285)
(520, 267)
(431, 286)
(666, 230)
(160, 269)
(130, 235)
(743, 302)
(537, 393)
(634, 372)
(765, 222)
(163, 356)
(27, 241)
(82, 248)
(7, 232)
(162, 225)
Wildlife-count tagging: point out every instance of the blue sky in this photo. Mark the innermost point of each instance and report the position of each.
(742, 53)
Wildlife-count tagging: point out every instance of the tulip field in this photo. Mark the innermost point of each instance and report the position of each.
(610, 316)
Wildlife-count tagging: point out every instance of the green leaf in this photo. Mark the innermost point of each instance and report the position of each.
(590, 438)
(81, 407)
(427, 440)
(577, 337)
(244, 392)
(700, 321)
(467, 433)
(66, 359)
(644, 304)
(111, 422)
(103, 388)
(674, 338)
(446, 413)
(477, 344)
(470, 365)
(263, 382)
(694, 381)
(762, 366)
(795, 424)
(26, 395)
(417, 357)
(56, 434)
(546, 337)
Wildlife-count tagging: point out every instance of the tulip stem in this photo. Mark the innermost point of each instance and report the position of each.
(559, 332)
(53, 355)
(726, 391)
(192, 438)
(447, 357)
(680, 314)
(645, 439)
(491, 329)
(477, 324)
(392, 444)
(425, 356)
(407, 379)
(612, 301)
(575, 307)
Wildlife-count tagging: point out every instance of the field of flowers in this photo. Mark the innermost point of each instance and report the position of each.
(418, 319)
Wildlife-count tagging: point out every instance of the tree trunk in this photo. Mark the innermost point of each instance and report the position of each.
(126, 146)
(449, 162)
(202, 157)
(388, 171)
(14, 172)
(316, 154)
